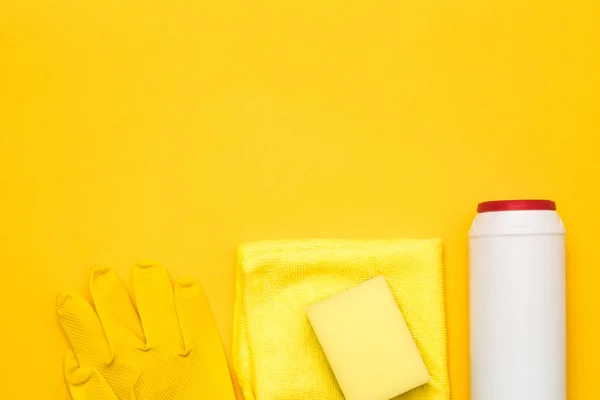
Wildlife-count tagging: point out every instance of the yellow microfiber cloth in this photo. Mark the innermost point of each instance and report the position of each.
(276, 354)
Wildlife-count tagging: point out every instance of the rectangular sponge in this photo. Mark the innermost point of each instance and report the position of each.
(367, 343)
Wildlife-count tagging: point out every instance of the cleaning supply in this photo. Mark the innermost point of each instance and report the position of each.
(166, 349)
(363, 326)
(276, 353)
(517, 284)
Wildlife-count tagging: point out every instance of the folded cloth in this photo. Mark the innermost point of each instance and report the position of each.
(276, 354)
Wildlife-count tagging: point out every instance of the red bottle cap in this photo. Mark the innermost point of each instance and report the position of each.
(516, 205)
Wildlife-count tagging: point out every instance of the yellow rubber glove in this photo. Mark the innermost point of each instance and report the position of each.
(168, 349)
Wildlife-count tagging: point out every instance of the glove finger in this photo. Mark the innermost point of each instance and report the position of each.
(194, 313)
(83, 329)
(156, 306)
(115, 309)
(86, 383)
(201, 336)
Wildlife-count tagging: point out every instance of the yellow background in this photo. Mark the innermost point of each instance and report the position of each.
(175, 130)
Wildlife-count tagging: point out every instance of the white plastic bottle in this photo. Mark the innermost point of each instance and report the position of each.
(517, 301)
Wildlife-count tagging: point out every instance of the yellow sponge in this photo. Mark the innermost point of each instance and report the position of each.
(367, 343)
